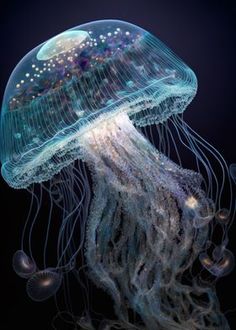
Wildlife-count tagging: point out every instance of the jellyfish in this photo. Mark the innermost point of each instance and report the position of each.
(43, 284)
(92, 127)
(23, 265)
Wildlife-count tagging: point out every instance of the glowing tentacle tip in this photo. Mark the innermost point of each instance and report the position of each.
(23, 265)
(232, 171)
(43, 284)
(62, 43)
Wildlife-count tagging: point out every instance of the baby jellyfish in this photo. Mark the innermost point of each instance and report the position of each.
(220, 268)
(23, 265)
(222, 215)
(43, 284)
(232, 170)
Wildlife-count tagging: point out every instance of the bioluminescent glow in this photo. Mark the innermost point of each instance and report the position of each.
(92, 126)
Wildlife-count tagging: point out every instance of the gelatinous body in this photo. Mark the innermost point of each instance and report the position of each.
(122, 69)
(23, 265)
(221, 267)
(101, 106)
(43, 284)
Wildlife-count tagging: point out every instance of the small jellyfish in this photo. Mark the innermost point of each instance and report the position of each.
(222, 215)
(23, 265)
(220, 268)
(232, 170)
(43, 284)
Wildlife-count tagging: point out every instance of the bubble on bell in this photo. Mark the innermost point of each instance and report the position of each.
(43, 284)
(23, 265)
(62, 43)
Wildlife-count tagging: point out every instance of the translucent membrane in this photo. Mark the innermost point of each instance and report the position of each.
(43, 285)
(128, 71)
(23, 265)
(221, 267)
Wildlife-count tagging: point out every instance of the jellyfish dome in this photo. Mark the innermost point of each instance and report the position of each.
(92, 123)
(83, 76)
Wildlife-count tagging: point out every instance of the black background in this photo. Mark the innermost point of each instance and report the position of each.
(202, 33)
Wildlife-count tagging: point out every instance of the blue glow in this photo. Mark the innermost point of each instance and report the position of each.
(49, 103)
